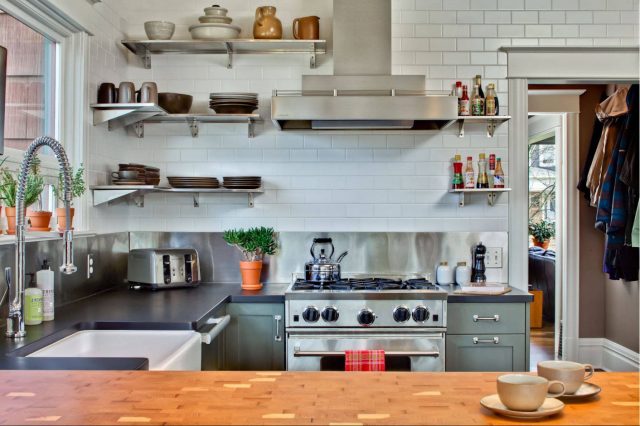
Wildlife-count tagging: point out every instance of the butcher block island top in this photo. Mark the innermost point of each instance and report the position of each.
(274, 398)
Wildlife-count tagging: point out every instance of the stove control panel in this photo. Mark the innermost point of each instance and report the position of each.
(366, 313)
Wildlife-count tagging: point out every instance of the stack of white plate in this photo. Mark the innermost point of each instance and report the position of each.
(214, 25)
(233, 102)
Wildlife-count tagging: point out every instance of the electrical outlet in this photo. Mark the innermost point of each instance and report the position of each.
(493, 258)
(90, 265)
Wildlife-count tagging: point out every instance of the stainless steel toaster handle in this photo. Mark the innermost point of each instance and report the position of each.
(220, 324)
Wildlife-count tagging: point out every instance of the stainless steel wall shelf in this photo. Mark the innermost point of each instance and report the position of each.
(145, 48)
(110, 193)
(491, 121)
(136, 115)
(492, 194)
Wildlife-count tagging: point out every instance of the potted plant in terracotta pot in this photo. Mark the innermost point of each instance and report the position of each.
(39, 218)
(9, 190)
(254, 244)
(542, 232)
(78, 187)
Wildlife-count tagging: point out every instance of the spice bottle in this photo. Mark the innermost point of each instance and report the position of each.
(491, 102)
(469, 175)
(492, 168)
(483, 178)
(463, 102)
(458, 182)
(498, 176)
(477, 102)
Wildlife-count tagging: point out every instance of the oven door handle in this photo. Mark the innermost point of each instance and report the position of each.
(432, 354)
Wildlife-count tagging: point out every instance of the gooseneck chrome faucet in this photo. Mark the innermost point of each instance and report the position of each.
(15, 321)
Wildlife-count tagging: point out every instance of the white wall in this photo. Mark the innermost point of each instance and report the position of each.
(346, 182)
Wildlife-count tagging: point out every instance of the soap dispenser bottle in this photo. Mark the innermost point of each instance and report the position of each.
(44, 278)
(32, 304)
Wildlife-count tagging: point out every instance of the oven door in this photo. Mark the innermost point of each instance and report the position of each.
(323, 349)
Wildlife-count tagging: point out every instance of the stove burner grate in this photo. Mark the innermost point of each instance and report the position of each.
(360, 284)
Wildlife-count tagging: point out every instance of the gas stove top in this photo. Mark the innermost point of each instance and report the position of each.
(365, 284)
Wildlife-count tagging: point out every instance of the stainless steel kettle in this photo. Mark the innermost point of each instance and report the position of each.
(322, 268)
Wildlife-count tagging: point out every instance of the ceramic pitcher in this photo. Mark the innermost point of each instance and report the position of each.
(307, 28)
(266, 25)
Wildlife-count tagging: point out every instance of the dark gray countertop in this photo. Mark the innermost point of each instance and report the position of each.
(181, 309)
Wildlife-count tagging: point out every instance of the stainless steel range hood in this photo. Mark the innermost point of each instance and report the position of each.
(362, 94)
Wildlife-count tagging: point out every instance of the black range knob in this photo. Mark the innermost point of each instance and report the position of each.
(311, 314)
(366, 317)
(330, 314)
(401, 314)
(420, 314)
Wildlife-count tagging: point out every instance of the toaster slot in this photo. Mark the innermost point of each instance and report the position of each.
(166, 268)
(188, 268)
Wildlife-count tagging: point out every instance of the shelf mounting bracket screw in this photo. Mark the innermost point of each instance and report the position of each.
(138, 128)
(194, 127)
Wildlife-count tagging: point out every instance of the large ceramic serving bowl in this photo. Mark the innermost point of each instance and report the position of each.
(175, 103)
(214, 31)
(159, 30)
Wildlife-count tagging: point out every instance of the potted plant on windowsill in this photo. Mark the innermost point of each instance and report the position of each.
(78, 187)
(9, 190)
(542, 232)
(254, 244)
(39, 218)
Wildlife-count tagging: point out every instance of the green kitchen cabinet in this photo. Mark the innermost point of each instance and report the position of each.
(254, 339)
(487, 337)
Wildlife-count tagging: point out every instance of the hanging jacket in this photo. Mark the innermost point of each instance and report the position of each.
(607, 112)
(596, 134)
(630, 169)
(620, 260)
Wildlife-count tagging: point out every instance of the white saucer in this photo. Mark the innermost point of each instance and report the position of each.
(587, 390)
(549, 407)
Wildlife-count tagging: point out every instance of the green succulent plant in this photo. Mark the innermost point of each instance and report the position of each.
(542, 230)
(9, 185)
(253, 243)
(78, 185)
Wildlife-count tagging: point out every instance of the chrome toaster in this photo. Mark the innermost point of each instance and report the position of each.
(163, 268)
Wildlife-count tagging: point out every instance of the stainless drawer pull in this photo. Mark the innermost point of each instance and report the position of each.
(278, 336)
(477, 318)
(299, 353)
(495, 340)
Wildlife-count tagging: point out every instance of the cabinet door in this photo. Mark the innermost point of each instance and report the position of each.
(254, 339)
(502, 352)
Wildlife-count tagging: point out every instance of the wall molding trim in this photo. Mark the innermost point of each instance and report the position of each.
(608, 355)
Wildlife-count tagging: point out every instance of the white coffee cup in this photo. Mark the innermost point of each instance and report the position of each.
(522, 392)
(572, 374)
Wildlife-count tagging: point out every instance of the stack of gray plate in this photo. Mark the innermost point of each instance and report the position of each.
(233, 103)
(242, 182)
(193, 182)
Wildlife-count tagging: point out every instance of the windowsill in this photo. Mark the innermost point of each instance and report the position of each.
(42, 236)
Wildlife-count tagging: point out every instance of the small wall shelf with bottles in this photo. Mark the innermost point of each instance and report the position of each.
(492, 121)
(492, 194)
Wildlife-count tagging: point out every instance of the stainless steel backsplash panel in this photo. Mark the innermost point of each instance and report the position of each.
(369, 252)
(110, 268)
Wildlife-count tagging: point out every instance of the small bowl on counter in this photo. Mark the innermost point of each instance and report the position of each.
(175, 103)
(159, 30)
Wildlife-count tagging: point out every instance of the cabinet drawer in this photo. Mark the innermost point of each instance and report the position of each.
(486, 352)
(500, 318)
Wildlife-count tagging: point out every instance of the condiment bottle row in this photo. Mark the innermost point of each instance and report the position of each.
(464, 177)
(478, 104)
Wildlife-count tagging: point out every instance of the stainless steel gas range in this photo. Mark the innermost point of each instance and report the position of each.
(405, 317)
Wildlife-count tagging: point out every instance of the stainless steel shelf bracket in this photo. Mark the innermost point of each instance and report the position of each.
(461, 199)
(250, 196)
(491, 128)
(138, 128)
(461, 128)
(229, 55)
(491, 196)
(196, 199)
(146, 59)
(194, 127)
(138, 200)
(251, 128)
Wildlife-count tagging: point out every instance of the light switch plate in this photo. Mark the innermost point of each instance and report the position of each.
(493, 259)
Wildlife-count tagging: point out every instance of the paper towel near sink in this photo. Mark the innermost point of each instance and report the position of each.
(175, 350)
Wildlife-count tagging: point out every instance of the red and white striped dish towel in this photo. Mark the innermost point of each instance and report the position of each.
(364, 360)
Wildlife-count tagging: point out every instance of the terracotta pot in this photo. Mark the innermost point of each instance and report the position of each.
(39, 220)
(266, 25)
(61, 214)
(10, 212)
(542, 244)
(251, 275)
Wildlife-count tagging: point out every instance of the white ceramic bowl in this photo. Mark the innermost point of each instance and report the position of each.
(215, 10)
(159, 30)
(215, 19)
(214, 31)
